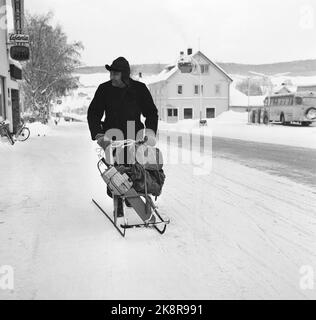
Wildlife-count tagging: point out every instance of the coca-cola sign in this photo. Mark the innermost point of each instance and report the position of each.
(16, 37)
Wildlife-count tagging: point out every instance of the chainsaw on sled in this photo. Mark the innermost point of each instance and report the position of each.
(121, 187)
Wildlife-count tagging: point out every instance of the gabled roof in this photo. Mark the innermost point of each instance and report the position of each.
(213, 63)
(170, 70)
(285, 89)
(164, 75)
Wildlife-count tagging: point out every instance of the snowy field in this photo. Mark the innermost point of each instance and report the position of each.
(235, 233)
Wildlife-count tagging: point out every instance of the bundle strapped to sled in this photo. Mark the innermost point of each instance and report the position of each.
(122, 181)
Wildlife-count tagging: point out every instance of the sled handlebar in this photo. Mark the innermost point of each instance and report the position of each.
(119, 144)
(127, 142)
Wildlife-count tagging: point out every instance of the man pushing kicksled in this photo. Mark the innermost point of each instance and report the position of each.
(121, 102)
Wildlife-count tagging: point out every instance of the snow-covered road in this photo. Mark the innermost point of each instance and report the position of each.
(236, 233)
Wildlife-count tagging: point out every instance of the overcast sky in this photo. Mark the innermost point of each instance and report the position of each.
(151, 31)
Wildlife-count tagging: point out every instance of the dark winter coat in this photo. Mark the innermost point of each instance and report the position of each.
(120, 105)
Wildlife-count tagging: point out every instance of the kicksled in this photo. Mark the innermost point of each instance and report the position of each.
(142, 204)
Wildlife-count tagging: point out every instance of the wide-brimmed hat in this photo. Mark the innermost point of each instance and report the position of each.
(120, 64)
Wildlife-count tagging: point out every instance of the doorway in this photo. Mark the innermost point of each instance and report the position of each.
(16, 112)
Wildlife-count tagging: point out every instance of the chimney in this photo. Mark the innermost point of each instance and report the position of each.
(189, 51)
(181, 56)
(140, 75)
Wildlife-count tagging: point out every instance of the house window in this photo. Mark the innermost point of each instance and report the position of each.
(204, 68)
(180, 89)
(210, 113)
(187, 113)
(196, 89)
(218, 89)
(172, 112)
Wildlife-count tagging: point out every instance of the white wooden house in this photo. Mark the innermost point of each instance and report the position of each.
(177, 95)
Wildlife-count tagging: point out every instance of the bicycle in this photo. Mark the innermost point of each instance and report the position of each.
(22, 134)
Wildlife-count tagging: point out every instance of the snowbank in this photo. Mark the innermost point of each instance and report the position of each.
(231, 117)
(239, 99)
(38, 129)
(4, 143)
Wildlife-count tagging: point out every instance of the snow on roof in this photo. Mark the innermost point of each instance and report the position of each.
(239, 99)
(164, 75)
(285, 89)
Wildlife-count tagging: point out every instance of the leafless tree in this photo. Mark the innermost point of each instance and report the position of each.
(48, 74)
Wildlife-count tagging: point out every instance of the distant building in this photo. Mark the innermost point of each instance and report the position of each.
(285, 89)
(306, 88)
(240, 102)
(177, 95)
(10, 70)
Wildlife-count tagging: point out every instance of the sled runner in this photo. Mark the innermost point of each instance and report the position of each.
(121, 186)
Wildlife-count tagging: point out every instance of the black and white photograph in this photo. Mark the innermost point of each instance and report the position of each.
(155, 150)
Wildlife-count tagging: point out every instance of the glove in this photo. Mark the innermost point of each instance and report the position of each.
(102, 140)
(150, 138)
